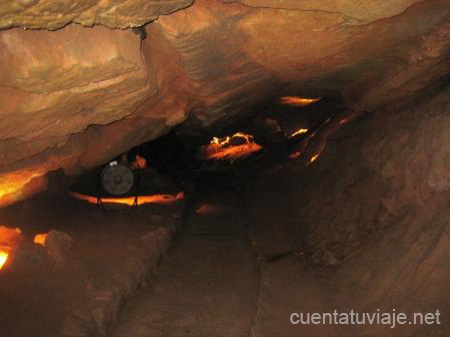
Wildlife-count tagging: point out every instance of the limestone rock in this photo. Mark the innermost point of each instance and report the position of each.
(76, 97)
(28, 256)
(355, 12)
(54, 14)
(58, 245)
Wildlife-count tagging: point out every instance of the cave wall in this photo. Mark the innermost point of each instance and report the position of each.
(403, 262)
(54, 14)
(373, 209)
(78, 88)
(377, 171)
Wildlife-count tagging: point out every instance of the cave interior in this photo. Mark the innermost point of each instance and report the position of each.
(224, 168)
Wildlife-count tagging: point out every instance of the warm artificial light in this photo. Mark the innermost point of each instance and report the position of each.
(299, 132)
(159, 199)
(139, 162)
(223, 148)
(13, 186)
(313, 158)
(298, 101)
(3, 257)
(40, 239)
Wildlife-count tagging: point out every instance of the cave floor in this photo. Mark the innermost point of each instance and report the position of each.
(110, 257)
(208, 285)
(213, 283)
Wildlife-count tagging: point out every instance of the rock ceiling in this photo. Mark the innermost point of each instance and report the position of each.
(78, 86)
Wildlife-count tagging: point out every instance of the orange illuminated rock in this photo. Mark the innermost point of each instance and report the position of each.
(9, 239)
(355, 12)
(77, 97)
(10, 236)
(53, 14)
(158, 199)
(298, 101)
(3, 257)
(139, 162)
(298, 132)
(19, 185)
(40, 239)
(230, 148)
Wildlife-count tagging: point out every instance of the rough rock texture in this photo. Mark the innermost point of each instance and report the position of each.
(55, 291)
(380, 218)
(77, 97)
(58, 245)
(54, 14)
(67, 84)
(355, 12)
(95, 315)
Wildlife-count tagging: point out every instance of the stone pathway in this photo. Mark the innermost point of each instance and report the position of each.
(213, 285)
(208, 285)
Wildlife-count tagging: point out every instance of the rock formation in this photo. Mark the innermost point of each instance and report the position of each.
(78, 87)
